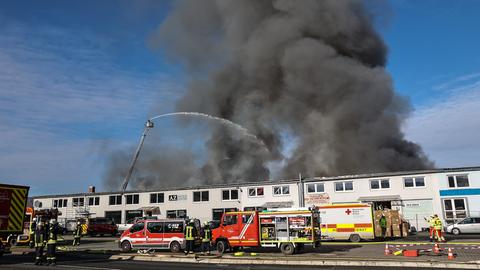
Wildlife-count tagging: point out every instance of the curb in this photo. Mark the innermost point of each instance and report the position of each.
(321, 262)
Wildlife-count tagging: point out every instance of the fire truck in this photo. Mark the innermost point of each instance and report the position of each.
(287, 229)
(13, 200)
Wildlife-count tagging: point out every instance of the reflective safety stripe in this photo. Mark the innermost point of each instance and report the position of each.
(189, 233)
(207, 236)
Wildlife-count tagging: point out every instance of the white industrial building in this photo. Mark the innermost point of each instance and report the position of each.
(452, 193)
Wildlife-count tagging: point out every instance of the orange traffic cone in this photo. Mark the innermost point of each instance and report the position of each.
(450, 254)
(387, 250)
(436, 248)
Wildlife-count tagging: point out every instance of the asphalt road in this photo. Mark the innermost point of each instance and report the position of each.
(101, 262)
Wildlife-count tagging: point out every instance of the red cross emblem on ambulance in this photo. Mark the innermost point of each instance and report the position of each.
(348, 211)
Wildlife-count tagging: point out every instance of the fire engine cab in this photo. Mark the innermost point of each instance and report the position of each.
(286, 229)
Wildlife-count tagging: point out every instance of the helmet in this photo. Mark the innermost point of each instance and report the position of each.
(53, 221)
(205, 223)
(34, 219)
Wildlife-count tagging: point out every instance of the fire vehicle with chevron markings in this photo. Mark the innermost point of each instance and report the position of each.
(13, 200)
(287, 229)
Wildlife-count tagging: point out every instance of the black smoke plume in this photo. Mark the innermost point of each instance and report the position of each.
(303, 75)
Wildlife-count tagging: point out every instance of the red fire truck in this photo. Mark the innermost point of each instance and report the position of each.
(286, 229)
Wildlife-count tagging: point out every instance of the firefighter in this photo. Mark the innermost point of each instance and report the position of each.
(383, 225)
(206, 238)
(33, 226)
(431, 224)
(77, 234)
(52, 242)
(437, 227)
(40, 241)
(189, 237)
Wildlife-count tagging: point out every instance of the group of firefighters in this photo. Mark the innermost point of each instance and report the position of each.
(45, 235)
(436, 227)
(205, 233)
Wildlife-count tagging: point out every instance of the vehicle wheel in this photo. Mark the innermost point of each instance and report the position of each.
(101, 235)
(287, 248)
(92, 234)
(175, 247)
(355, 238)
(222, 246)
(455, 231)
(126, 246)
(13, 241)
(115, 233)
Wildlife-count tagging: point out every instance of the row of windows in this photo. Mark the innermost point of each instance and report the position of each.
(80, 201)
(454, 181)
(376, 184)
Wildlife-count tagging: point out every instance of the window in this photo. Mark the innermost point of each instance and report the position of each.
(116, 216)
(137, 227)
(229, 219)
(130, 215)
(457, 181)
(78, 202)
(200, 196)
(344, 186)
(173, 227)
(247, 218)
(177, 213)
(60, 203)
(115, 200)
(157, 198)
(218, 212)
(155, 227)
(455, 209)
(414, 182)
(255, 192)
(229, 194)
(281, 190)
(94, 201)
(316, 188)
(132, 198)
(380, 184)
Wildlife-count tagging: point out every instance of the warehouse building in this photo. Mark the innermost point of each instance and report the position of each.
(452, 193)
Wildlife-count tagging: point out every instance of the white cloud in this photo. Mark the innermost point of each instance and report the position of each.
(448, 129)
(61, 96)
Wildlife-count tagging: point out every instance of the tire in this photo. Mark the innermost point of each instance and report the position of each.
(287, 248)
(175, 247)
(355, 238)
(13, 241)
(222, 246)
(126, 246)
(455, 231)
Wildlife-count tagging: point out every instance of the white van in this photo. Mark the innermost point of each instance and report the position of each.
(467, 225)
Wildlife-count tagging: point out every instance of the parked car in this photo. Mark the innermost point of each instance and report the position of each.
(102, 226)
(125, 226)
(467, 225)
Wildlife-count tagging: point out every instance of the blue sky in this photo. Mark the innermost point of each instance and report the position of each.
(77, 79)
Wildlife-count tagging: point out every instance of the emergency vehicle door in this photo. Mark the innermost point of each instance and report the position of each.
(154, 234)
(137, 234)
(249, 229)
(231, 226)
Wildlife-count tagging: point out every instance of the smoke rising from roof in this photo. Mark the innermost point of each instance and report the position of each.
(309, 71)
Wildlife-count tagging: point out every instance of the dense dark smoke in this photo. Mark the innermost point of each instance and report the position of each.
(310, 71)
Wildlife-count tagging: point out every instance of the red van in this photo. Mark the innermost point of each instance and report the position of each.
(101, 226)
(155, 234)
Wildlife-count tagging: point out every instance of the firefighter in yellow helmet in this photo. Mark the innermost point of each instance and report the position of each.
(431, 225)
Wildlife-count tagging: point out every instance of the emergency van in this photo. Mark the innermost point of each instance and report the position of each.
(352, 222)
(156, 234)
(286, 229)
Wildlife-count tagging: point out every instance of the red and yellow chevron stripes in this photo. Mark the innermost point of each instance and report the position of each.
(17, 209)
